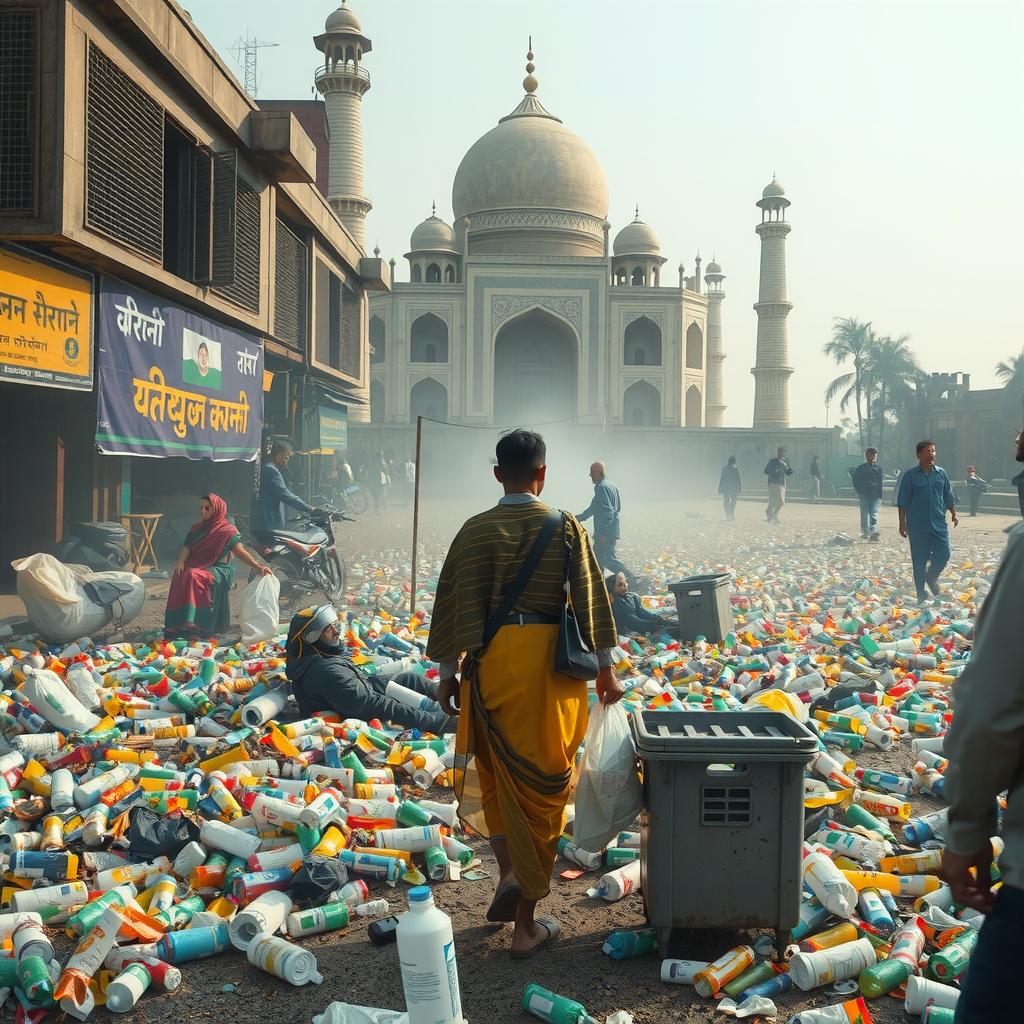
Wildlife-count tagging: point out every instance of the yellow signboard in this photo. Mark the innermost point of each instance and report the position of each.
(46, 316)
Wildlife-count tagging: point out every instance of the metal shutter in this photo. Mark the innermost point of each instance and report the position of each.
(124, 158)
(351, 333)
(225, 208)
(202, 227)
(245, 289)
(291, 286)
(19, 71)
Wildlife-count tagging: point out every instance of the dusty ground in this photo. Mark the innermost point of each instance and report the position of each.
(669, 540)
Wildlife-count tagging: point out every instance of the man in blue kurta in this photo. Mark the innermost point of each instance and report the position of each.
(925, 496)
(605, 509)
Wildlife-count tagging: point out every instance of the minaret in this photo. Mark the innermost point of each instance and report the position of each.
(772, 370)
(714, 380)
(342, 81)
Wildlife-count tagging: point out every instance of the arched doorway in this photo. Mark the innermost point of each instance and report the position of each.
(376, 402)
(535, 370)
(428, 340)
(641, 405)
(641, 343)
(429, 398)
(694, 347)
(694, 407)
(376, 340)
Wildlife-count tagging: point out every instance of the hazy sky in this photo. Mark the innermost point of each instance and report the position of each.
(895, 127)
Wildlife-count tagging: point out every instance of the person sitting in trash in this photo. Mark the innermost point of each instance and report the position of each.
(631, 617)
(323, 678)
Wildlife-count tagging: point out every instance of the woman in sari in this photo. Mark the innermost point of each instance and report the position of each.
(197, 602)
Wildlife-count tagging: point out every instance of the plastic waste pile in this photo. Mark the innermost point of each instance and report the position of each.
(157, 805)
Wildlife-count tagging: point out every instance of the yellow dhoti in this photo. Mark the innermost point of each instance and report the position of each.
(516, 745)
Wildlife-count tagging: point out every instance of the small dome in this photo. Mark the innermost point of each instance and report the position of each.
(773, 190)
(342, 20)
(714, 267)
(432, 234)
(637, 239)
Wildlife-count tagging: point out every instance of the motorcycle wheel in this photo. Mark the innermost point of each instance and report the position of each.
(358, 502)
(334, 590)
(291, 599)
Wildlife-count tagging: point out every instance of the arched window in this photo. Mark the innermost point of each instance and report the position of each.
(642, 343)
(638, 277)
(449, 274)
(429, 399)
(417, 274)
(376, 340)
(694, 347)
(694, 407)
(433, 274)
(641, 405)
(376, 402)
(428, 340)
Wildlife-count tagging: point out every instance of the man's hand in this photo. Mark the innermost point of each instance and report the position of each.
(609, 689)
(954, 517)
(904, 533)
(448, 695)
(263, 570)
(971, 890)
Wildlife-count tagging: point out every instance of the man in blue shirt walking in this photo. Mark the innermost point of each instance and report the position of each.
(925, 495)
(605, 509)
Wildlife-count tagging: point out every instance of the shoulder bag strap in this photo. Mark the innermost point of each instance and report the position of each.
(526, 570)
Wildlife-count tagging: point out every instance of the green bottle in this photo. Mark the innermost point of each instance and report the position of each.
(951, 961)
(34, 979)
(618, 857)
(437, 863)
(411, 815)
(309, 838)
(553, 1008)
(351, 761)
(754, 975)
(856, 815)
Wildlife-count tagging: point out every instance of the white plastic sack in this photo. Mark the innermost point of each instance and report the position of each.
(56, 703)
(608, 796)
(260, 609)
(349, 1013)
(46, 578)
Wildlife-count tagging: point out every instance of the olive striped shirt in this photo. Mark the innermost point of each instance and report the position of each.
(483, 561)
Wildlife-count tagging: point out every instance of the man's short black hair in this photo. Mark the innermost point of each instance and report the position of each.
(869, 451)
(281, 447)
(519, 454)
(921, 445)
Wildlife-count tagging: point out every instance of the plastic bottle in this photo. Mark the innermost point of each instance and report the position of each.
(426, 951)
(904, 954)
(218, 836)
(194, 943)
(585, 858)
(165, 976)
(551, 1007)
(857, 846)
(352, 894)
(928, 826)
(854, 1011)
(873, 911)
(883, 803)
(266, 914)
(33, 952)
(682, 972)
(717, 973)
(758, 972)
(620, 882)
(283, 959)
(923, 992)
(414, 839)
(375, 908)
(69, 894)
(834, 936)
(127, 988)
(810, 970)
(328, 918)
(829, 884)
(938, 1015)
(951, 961)
(621, 945)
(925, 862)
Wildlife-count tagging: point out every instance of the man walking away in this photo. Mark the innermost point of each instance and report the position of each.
(976, 487)
(985, 747)
(520, 720)
(729, 487)
(816, 479)
(924, 498)
(605, 509)
(868, 482)
(410, 478)
(777, 470)
(268, 506)
(1018, 480)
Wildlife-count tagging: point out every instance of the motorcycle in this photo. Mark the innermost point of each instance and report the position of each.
(101, 547)
(305, 558)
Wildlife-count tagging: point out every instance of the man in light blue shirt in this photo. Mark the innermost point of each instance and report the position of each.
(605, 509)
(925, 496)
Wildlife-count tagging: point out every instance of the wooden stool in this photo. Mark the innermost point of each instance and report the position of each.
(141, 527)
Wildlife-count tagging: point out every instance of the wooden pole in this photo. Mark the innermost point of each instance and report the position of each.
(415, 516)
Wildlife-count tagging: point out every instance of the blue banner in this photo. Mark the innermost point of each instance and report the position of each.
(172, 382)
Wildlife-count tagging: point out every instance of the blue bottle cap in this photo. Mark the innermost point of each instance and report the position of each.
(420, 894)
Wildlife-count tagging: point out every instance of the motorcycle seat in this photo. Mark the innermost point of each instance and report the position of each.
(314, 536)
(101, 533)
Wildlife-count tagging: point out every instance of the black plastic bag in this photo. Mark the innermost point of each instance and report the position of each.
(317, 879)
(150, 834)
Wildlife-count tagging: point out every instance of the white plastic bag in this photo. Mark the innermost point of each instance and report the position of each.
(608, 795)
(56, 703)
(260, 609)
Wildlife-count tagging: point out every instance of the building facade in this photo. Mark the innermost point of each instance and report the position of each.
(142, 165)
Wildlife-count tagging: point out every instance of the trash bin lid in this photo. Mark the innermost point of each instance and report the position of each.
(696, 735)
(707, 581)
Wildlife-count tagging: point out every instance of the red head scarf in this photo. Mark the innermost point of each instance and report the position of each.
(208, 538)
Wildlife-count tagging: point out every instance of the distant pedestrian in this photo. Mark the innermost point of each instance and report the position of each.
(816, 479)
(378, 480)
(976, 487)
(777, 470)
(604, 509)
(867, 482)
(1018, 480)
(729, 487)
(410, 477)
(925, 497)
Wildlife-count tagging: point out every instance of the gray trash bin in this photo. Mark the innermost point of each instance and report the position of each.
(722, 823)
(704, 607)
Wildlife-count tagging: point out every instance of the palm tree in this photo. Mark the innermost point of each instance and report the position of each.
(891, 371)
(1011, 375)
(851, 339)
